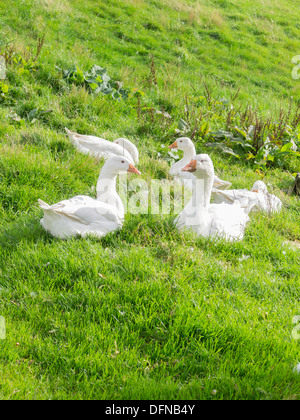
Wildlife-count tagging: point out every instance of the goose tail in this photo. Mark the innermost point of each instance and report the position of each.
(70, 133)
(72, 137)
(220, 184)
(44, 205)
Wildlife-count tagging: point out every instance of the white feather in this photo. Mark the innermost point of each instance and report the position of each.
(99, 147)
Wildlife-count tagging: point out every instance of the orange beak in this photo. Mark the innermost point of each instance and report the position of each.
(174, 145)
(133, 170)
(191, 167)
(256, 191)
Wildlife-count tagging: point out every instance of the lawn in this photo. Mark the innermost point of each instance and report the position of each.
(146, 312)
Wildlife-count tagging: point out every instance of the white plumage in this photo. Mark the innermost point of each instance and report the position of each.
(189, 151)
(79, 216)
(258, 199)
(84, 215)
(205, 219)
(102, 148)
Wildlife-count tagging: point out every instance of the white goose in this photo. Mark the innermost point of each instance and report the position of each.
(258, 199)
(189, 151)
(83, 215)
(205, 219)
(102, 148)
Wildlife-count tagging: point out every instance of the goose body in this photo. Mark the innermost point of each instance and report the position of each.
(258, 199)
(206, 219)
(102, 148)
(84, 215)
(188, 179)
(79, 216)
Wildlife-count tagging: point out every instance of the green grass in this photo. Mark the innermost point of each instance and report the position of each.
(147, 312)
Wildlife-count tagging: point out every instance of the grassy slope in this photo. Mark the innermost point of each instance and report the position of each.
(146, 312)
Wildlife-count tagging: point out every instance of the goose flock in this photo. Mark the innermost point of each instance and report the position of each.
(214, 209)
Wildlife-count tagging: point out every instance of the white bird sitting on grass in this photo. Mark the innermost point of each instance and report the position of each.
(205, 219)
(83, 215)
(258, 199)
(102, 148)
(189, 151)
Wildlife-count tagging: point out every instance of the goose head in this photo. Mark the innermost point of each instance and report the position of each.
(201, 166)
(183, 143)
(119, 165)
(260, 187)
(130, 147)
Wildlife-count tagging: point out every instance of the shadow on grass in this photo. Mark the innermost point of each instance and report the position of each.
(144, 230)
(27, 229)
(141, 230)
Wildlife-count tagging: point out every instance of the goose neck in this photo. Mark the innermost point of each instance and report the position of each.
(132, 150)
(202, 192)
(107, 183)
(190, 152)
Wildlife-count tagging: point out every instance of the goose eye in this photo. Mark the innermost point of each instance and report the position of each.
(123, 161)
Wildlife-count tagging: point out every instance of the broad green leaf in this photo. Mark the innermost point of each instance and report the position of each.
(286, 147)
(241, 132)
(4, 88)
(93, 86)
